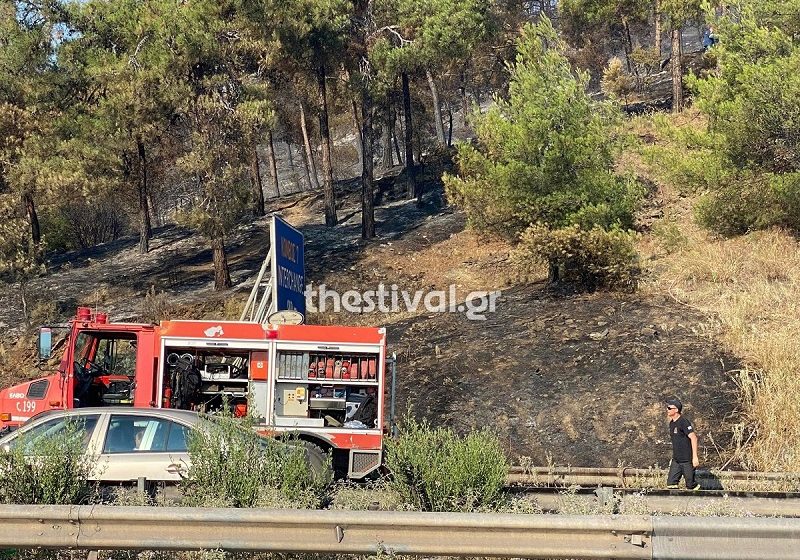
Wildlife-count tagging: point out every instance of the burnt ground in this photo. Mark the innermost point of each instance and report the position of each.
(579, 379)
(573, 378)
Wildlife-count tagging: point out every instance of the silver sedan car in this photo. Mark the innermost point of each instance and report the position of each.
(129, 443)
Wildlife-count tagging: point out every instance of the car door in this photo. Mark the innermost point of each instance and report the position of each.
(138, 445)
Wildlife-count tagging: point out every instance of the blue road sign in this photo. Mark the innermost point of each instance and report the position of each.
(289, 266)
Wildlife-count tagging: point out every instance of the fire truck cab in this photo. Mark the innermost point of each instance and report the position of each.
(324, 384)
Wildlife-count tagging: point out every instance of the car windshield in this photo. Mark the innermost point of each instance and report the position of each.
(56, 427)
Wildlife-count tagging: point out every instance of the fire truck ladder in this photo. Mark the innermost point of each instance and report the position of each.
(260, 305)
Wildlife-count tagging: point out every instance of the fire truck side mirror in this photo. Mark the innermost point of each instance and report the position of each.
(45, 343)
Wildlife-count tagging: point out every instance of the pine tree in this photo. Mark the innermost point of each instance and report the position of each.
(546, 153)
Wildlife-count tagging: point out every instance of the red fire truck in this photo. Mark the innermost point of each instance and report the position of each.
(326, 384)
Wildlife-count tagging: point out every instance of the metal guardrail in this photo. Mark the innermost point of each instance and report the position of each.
(627, 476)
(407, 533)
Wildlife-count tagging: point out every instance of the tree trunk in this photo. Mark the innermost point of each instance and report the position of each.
(304, 167)
(289, 154)
(437, 110)
(367, 188)
(311, 168)
(409, 138)
(393, 134)
(30, 208)
(292, 169)
(677, 71)
(449, 125)
(465, 105)
(386, 143)
(145, 230)
(256, 184)
(657, 22)
(151, 207)
(325, 134)
(273, 164)
(357, 132)
(222, 276)
(629, 49)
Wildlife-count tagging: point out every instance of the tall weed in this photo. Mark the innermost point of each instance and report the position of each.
(434, 469)
(232, 466)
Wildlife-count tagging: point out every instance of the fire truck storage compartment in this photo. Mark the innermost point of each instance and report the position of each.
(223, 378)
(326, 389)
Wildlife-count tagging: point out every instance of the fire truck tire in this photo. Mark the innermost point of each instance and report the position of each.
(318, 459)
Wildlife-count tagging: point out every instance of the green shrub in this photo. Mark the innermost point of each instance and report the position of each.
(738, 207)
(646, 60)
(51, 469)
(590, 259)
(434, 469)
(688, 157)
(232, 466)
(156, 306)
(669, 236)
(616, 81)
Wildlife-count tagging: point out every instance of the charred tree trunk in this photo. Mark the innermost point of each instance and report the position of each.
(222, 276)
(449, 125)
(677, 71)
(273, 164)
(256, 184)
(409, 138)
(33, 218)
(289, 154)
(357, 132)
(657, 24)
(367, 187)
(386, 143)
(437, 110)
(145, 229)
(325, 135)
(393, 134)
(311, 168)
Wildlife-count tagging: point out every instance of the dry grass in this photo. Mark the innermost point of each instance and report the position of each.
(749, 287)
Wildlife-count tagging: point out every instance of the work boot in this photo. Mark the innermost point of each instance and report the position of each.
(696, 488)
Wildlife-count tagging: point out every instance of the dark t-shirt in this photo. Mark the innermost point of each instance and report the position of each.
(679, 431)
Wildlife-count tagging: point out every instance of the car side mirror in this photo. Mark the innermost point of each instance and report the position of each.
(45, 343)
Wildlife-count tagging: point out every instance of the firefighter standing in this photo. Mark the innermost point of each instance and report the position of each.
(684, 447)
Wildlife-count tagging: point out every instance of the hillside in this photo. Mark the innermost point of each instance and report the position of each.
(570, 378)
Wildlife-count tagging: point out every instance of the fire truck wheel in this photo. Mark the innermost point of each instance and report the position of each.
(317, 459)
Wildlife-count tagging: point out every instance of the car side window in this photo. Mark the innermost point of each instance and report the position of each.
(178, 437)
(136, 434)
(57, 426)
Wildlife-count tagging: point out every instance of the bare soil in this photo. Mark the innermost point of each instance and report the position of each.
(570, 378)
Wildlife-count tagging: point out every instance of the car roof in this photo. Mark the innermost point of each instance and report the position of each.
(188, 416)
